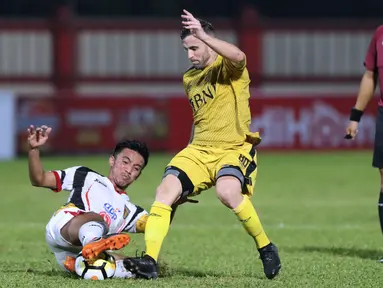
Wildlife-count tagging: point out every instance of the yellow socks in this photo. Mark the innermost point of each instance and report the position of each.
(156, 228)
(250, 221)
(158, 224)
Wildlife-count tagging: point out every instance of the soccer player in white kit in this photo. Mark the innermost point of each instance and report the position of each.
(98, 210)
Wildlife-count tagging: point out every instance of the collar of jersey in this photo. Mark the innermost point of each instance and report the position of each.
(119, 191)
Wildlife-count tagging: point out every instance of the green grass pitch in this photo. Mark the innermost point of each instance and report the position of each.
(319, 208)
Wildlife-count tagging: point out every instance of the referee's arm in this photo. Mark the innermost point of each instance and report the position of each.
(366, 90)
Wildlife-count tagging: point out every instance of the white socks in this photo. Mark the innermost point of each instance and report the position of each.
(91, 231)
(121, 272)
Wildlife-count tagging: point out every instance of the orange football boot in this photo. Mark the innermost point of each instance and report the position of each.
(109, 242)
(69, 263)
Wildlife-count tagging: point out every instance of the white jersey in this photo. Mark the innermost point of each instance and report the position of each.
(93, 192)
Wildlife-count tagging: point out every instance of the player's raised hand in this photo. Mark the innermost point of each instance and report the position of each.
(351, 130)
(38, 136)
(193, 24)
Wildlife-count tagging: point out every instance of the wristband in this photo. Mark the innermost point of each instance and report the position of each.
(355, 114)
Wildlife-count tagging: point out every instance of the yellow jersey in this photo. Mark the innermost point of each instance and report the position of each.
(219, 96)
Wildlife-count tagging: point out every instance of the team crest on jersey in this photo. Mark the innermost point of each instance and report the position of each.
(126, 212)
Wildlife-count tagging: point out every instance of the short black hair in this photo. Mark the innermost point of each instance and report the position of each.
(206, 26)
(135, 145)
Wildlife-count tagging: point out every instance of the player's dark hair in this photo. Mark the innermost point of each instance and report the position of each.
(206, 26)
(135, 145)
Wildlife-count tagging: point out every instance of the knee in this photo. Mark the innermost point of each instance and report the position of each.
(80, 220)
(169, 190)
(225, 197)
(71, 229)
(229, 192)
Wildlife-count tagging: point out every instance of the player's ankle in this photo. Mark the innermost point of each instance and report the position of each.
(150, 258)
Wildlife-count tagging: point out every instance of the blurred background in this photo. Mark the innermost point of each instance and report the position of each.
(98, 71)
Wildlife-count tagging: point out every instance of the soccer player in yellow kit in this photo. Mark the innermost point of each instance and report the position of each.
(221, 152)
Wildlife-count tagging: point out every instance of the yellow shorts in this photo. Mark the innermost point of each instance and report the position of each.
(199, 167)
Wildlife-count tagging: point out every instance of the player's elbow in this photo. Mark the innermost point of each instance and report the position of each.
(370, 78)
(369, 74)
(43, 180)
(35, 182)
(239, 57)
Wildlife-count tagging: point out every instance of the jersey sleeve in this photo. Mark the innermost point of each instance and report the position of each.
(374, 57)
(234, 69)
(64, 178)
(370, 60)
(136, 218)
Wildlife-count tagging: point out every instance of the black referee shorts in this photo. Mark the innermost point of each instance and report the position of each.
(377, 160)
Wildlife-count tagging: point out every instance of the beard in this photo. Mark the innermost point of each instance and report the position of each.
(200, 65)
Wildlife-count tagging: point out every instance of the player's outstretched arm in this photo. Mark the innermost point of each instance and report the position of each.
(37, 176)
(223, 48)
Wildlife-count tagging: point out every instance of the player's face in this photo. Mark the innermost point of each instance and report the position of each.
(126, 167)
(198, 52)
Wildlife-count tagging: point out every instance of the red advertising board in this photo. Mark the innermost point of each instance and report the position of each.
(310, 123)
(95, 124)
(87, 125)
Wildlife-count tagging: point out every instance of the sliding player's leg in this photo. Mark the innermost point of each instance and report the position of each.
(91, 230)
(73, 230)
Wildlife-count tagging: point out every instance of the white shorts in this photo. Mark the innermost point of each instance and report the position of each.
(58, 245)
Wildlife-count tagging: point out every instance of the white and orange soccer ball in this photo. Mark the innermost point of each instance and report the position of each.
(102, 268)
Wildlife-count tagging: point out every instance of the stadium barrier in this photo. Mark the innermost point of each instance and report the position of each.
(94, 124)
(7, 125)
(72, 53)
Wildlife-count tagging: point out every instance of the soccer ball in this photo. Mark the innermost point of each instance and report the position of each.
(102, 268)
